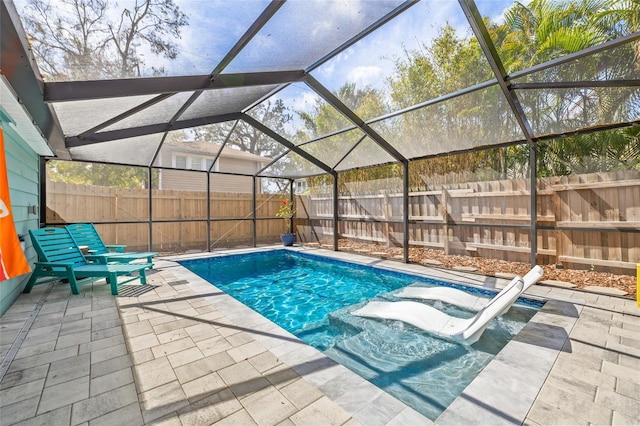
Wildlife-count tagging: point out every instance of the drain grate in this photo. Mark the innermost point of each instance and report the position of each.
(135, 290)
(181, 282)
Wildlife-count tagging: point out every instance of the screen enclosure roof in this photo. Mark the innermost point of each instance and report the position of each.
(323, 86)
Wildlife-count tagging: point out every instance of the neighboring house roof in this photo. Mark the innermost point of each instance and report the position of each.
(210, 148)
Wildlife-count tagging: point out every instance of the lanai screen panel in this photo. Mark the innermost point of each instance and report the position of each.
(298, 114)
(225, 101)
(370, 211)
(78, 116)
(179, 237)
(366, 153)
(292, 165)
(231, 196)
(94, 200)
(595, 201)
(180, 195)
(203, 40)
(209, 103)
(303, 31)
(193, 149)
(480, 118)
(138, 151)
(536, 32)
(563, 110)
(271, 193)
(251, 142)
(161, 112)
(617, 63)
(207, 38)
(333, 149)
(402, 63)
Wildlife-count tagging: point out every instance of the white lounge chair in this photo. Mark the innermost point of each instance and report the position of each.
(459, 297)
(463, 330)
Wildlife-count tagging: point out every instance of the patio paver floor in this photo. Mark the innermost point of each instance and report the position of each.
(181, 352)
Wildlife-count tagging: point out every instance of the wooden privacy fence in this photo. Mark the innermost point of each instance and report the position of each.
(590, 220)
(72, 203)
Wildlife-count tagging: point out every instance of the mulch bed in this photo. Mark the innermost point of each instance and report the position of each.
(581, 278)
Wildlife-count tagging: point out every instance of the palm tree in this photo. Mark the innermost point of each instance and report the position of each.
(544, 30)
(547, 29)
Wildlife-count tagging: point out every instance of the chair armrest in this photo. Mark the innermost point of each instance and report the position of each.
(119, 248)
(96, 258)
(51, 265)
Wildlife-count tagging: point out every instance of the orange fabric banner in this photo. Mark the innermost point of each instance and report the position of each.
(12, 260)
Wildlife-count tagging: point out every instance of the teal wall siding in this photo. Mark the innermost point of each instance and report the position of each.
(23, 173)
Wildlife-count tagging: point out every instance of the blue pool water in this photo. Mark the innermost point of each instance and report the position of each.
(313, 297)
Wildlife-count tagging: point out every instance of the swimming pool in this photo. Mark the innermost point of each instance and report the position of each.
(313, 297)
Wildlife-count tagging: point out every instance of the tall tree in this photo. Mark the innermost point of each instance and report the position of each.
(366, 102)
(94, 39)
(450, 63)
(622, 17)
(322, 119)
(98, 174)
(69, 38)
(274, 115)
(544, 30)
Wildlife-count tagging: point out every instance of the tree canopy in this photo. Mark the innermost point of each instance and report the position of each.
(98, 174)
(90, 39)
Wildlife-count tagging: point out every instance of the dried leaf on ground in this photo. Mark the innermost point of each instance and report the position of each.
(581, 278)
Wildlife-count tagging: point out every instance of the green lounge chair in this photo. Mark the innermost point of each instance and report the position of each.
(60, 258)
(85, 234)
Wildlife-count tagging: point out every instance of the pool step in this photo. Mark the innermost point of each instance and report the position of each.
(402, 362)
(343, 319)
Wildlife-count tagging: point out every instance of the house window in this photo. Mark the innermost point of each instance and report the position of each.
(180, 162)
(209, 162)
(196, 163)
(300, 186)
(193, 162)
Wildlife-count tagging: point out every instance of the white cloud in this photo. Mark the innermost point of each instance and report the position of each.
(307, 101)
(365, 75)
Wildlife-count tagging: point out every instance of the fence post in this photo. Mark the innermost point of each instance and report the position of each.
(255, 207)
(557, 202)
(150, 206)
(335, 211)
(386, 208)
(116, 214)
(533, 203)
(208, 200)
(181, 224)
(405, 211)
(444, 208)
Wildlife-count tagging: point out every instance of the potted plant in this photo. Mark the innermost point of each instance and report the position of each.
(286, 212)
